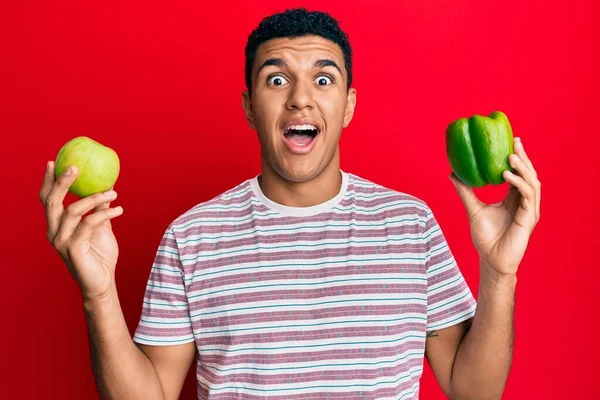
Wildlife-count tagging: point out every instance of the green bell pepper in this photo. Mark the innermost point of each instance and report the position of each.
(478, 148)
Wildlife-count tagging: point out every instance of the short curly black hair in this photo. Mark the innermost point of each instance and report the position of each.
(295, 23)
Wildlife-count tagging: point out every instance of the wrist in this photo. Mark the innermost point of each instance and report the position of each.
(490, 278)
(98, 301)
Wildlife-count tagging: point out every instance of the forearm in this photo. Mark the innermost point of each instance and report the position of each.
(485, 354)
(121, 369)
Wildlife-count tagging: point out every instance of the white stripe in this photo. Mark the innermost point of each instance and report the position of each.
(453, 319)
(308, 325)
(445, 284)
(157, 340)
(333, 386)
(306, 283)
(371, 363)
(158, 305)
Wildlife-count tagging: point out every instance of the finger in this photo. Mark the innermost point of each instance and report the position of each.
(54, 200)
(47, 182)
(530, 177)
(75, 212)
(512, 199)
(524, 188)
(522, 170)
(101, 207)
(104, 206)
(538, 197)
(471, 202)
(86, 227)
(520, 151)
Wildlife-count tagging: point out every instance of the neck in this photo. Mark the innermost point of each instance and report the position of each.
(312, 192)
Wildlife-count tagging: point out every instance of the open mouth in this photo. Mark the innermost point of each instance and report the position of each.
(301, 135)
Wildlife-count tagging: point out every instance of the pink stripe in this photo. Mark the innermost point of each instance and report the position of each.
(264, 239)
(349, 271)
(430, 223)
(319, 253)
(367, 190)
(231, 300)
(154, 294)
(437, 239)
(282, 357)
(157, 277)
(163, 260)
(162, 313)
(163, 332)
(311, 335)
(439, 258)
(257, 258)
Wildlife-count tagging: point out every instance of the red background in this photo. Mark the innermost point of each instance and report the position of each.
(160, 82)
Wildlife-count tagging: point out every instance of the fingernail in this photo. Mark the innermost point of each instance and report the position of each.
(110, 193)
(69, 171)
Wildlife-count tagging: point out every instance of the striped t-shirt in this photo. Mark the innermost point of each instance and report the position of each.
(325, 302)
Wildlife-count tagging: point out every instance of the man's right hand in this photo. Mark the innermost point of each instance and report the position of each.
(87, 245)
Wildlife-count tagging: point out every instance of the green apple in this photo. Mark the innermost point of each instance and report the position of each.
(98, 165)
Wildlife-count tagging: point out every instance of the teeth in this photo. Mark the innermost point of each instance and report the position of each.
(306, 127)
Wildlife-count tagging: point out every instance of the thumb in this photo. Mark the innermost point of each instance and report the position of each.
(466, 194)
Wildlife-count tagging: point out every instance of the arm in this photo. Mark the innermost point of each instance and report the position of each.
(126, 371)
(471, 360)
(89, 249)
(500, 232)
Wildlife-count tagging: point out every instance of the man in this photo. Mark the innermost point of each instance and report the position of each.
(305, 281)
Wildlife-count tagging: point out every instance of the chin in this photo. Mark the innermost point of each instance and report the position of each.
(299, 173)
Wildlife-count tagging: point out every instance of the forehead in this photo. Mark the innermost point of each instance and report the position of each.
(303, 48)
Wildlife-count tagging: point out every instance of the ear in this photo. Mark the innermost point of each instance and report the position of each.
(247, 104)
(350, 105)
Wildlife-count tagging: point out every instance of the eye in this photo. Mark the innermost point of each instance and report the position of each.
(324, 80)
(277, 80)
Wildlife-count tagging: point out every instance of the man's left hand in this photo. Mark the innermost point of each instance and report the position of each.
(501, 231)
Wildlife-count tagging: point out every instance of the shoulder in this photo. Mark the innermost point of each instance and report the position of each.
(227, 206)
(368, 194)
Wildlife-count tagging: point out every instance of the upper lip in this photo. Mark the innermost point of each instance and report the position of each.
(302, 121)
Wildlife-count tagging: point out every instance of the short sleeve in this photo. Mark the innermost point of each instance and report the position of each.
(165, 316)
(449, 299)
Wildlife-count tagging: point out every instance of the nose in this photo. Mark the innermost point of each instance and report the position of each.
(300, 97)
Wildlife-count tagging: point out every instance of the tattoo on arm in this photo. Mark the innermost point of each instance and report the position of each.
(432, 334)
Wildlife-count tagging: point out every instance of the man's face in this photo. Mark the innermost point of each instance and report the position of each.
(299, 105)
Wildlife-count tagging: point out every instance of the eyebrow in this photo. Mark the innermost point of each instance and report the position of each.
(327, 63)
(278, 62)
